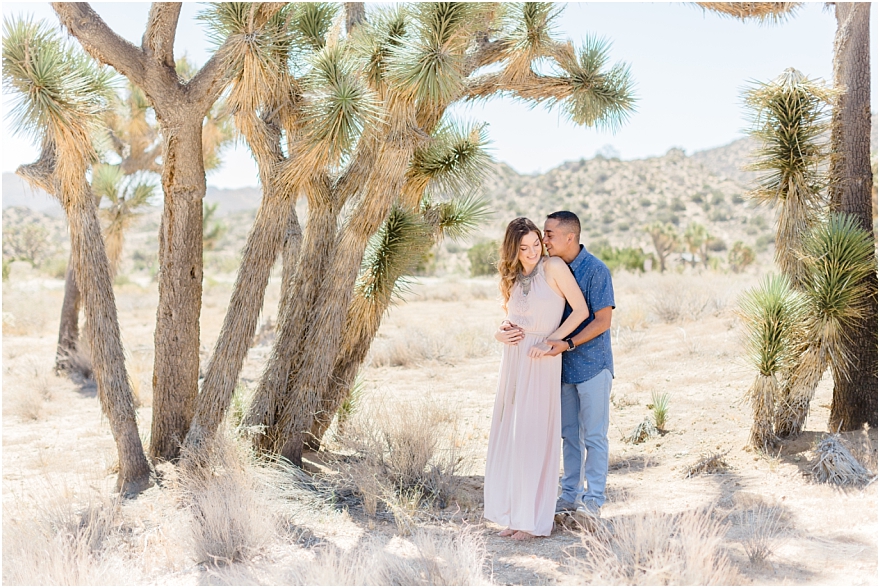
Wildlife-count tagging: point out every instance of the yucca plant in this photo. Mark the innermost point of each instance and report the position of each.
(837, 257)
(790, 116)
(60, 96)
(772, 315)
(126, 197)
(362, 113)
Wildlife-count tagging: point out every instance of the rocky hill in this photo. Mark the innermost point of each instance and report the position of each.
(616, 199)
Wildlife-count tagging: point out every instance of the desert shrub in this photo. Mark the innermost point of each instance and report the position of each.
(764, 241)
(717, 245)
(60, 540)
(654, 549)
(671, 304)
(677, 205)
(760, 530)
(434, 557)
(645, 202)
(399, 456)
(415, 347)
(628, 258)
(27, 242)
(238, 503)
(55, 267)
(484, 257)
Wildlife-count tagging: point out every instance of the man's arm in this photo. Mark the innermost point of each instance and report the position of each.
(599, 325)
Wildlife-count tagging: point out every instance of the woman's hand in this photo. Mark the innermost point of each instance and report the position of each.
(538, 351)
(509, 333)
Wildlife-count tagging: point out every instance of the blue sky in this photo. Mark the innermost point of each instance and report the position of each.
(689, 68)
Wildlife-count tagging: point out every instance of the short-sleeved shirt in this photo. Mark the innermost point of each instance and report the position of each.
(588, 359)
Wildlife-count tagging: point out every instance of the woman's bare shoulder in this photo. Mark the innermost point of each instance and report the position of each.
(554, 265)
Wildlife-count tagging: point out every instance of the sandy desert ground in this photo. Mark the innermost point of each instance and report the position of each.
(675, 334)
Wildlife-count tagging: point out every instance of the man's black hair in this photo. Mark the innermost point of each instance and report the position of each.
(567, 219)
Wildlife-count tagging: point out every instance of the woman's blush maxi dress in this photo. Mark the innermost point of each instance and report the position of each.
(522, 467)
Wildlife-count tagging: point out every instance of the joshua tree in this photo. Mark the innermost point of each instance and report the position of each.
(180, 106)
(855, 398)
(60, 98)
(790, 116)
(665, 239)
(696, 239)
(772, 313)
(855, 387)
(838, 257)
(363, 115)
(740, 257)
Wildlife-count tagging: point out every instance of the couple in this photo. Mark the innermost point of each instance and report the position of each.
(556, 371)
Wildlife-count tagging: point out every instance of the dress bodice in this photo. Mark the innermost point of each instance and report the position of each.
(538, 312)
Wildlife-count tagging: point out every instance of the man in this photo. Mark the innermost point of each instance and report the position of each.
(587, 371)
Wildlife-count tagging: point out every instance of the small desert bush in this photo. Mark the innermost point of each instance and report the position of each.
(29, 395)
(416, 347)
(835, 464)
(654, 549)
(58, 539)
(238, 503)
(761, 530)
(431, 557)
(402, 456)
(672, 304)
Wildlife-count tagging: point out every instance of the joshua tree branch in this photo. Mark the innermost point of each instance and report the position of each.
(355, 14)
(158, 39)
(100, 41)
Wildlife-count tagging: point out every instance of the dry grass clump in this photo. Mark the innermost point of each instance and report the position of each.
(238, 503)
(60, 540)
(654, 549)
(29, 395)
(415, 347)
(431, 557)
(401, 457)
(836, 465)
(672, 304)
(761, 530)
(708, 464)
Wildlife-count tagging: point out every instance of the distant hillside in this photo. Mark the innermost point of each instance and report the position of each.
(615, 199)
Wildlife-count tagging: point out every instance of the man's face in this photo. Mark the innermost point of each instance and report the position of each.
(556, 239)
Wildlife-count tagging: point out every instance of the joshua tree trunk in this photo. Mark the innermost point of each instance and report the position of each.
(65, 175)
(180, 109)
(68, 330)
(322, 328)
(300, 298)
(265, 241)
(114, 389)
(855, 392)
(176, 368)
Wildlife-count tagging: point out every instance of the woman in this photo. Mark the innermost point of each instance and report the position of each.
(522, 467)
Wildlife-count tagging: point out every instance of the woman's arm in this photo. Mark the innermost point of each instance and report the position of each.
(556, 269)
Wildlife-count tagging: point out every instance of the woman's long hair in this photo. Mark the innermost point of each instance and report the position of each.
(508, 263)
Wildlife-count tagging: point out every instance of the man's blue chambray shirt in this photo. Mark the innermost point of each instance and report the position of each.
(586, 360)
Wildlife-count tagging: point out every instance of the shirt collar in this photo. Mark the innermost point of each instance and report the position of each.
(578, 261)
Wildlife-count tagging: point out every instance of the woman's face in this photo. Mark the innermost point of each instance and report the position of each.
(530, 250)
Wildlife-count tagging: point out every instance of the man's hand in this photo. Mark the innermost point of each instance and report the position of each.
(556, 347)
(509, 333)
